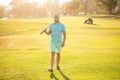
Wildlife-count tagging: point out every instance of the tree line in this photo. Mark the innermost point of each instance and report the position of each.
(26, 9)
(77, 7)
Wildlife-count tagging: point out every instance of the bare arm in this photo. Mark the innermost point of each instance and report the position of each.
(47, 32)
(64, 39)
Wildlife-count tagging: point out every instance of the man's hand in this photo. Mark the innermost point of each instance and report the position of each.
(48, 32)
(45, 30)
(64, 39)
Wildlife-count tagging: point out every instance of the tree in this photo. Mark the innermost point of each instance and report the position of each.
(92, 6)
(81, 6)
(109, 5)
(118, 7)
(2, 11)
(72, 7)
(25, 9)
(16, 8)
(52, 7)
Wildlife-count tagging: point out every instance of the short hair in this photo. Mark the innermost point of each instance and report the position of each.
(56, 15)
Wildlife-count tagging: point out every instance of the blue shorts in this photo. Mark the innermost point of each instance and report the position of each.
(55, 47)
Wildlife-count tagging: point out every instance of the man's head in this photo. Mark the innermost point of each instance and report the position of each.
(56, 18)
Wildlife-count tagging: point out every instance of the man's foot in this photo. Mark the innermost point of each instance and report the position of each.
(50, 70)
(58, 68)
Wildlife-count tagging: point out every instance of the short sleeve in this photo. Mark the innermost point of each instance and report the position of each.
(64, 28)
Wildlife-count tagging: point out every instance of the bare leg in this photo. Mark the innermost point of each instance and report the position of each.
(58, 59)
(52, 59)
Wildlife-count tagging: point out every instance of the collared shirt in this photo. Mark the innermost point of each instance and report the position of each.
(56, 32)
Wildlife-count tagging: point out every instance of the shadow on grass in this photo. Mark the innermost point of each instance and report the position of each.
(64, 76)
(52, 76)
(93, 24)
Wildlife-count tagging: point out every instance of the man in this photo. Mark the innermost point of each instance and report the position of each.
(89, 21)
(56, 29)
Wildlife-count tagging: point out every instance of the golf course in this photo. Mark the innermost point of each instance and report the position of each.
(91, 52)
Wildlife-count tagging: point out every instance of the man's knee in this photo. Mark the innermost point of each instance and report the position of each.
(58, 54)
(52, 54)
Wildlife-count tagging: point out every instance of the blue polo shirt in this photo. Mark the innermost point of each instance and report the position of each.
(56, 32)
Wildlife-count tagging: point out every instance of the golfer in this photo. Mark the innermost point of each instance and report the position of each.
(56, 30)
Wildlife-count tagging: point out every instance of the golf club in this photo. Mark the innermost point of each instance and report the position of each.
(42, 31)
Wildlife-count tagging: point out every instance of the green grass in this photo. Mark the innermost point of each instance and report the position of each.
(92, 52)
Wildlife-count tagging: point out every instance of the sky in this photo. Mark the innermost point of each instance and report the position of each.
(6, 2)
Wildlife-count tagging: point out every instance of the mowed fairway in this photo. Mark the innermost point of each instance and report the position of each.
(92, 52)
